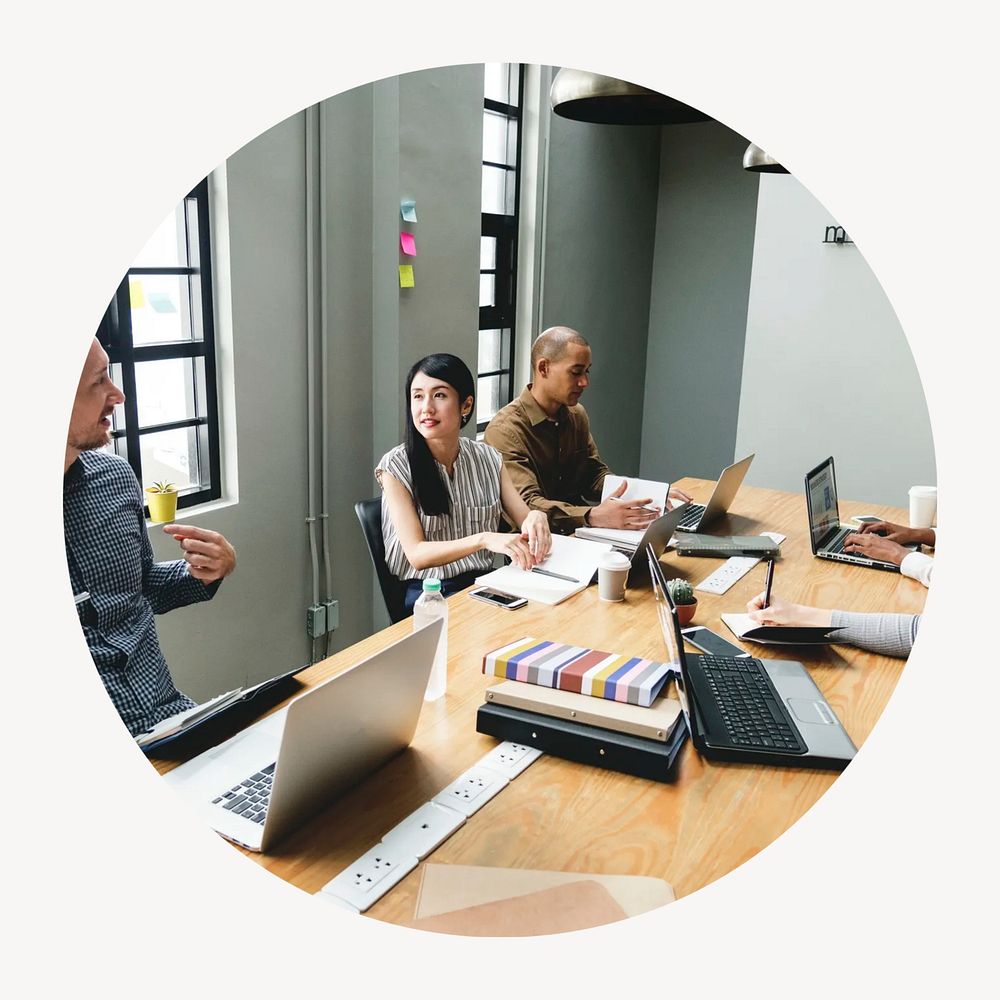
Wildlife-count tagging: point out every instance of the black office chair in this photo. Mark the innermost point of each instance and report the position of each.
(393, 589)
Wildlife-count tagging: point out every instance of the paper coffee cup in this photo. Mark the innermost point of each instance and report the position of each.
(923, 506)
(612, 572)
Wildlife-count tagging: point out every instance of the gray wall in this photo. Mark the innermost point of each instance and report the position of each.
(419, 136)
(816, 315)
(698, 302)
(600, 218)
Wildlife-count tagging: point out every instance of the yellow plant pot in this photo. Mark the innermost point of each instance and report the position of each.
(162, 506)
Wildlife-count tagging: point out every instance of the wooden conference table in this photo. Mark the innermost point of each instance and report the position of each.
(559, 815)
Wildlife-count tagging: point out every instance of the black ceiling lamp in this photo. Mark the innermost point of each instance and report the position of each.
(757, 161)
(603, 100)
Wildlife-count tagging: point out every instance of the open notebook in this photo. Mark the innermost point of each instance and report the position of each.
(637, 489)
(567, 570)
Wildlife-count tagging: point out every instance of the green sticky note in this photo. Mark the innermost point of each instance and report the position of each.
(405, 275)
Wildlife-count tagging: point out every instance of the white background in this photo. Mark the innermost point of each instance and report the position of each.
(113, 110)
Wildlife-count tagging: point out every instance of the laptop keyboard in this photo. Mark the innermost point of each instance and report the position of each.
(746, 702)
(250, 797)
(837, 545)
(692, 517)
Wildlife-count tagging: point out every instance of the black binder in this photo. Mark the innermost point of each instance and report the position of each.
(585, 744)
(727, 546)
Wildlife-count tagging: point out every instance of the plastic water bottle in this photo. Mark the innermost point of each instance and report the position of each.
(429, 606)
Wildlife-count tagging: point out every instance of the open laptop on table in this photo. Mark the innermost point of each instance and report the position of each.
(699, 517)
(656, 537)
(746, 710)
(826, 534)
(266, 781)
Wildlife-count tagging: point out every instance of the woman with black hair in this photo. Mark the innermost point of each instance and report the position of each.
(442, 493)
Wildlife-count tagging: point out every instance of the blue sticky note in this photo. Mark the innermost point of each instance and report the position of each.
(161, 302)
(408, 210)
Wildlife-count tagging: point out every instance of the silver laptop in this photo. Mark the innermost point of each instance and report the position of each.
(266, 781)
(722, 496)
(826, 534)
(747, 710)
(656, 537)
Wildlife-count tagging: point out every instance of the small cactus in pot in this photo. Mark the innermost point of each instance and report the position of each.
(683, 594)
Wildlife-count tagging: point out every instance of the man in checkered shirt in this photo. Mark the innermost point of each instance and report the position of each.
(111, 560)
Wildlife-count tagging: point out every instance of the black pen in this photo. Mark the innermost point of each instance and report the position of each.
(558, 576)
(768, 582)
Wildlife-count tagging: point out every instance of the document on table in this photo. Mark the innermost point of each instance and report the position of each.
(567, 570)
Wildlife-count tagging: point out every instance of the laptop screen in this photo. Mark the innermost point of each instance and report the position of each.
(671, 629)
(821, 499)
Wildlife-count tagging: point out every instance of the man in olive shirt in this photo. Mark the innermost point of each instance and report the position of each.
(544, 437)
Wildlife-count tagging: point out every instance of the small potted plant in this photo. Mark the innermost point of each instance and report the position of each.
(162, 500)
(683, 594)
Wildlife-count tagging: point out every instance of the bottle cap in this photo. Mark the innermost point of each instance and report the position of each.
(432, 585)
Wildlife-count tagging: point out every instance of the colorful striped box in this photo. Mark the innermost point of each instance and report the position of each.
(614, 676)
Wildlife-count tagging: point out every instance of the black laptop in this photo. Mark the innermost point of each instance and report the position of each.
(747, 710)
(826, 534)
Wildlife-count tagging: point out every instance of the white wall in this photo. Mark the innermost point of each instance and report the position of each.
(827, 369)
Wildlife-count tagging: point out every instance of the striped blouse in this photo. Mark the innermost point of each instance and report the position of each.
(474, 492)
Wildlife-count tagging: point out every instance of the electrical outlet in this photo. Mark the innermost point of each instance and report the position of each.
(424, 830)
(332, 615)
(369, 878)
(316, 620)
(510, 759)
(470, 792)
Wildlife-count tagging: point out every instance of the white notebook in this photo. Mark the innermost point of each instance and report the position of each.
(637, 489)
(573, 559)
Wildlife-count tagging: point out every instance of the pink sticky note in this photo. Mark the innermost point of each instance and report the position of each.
(408, 243)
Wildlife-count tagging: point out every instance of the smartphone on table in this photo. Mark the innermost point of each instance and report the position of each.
(498, 598)
(708, 642)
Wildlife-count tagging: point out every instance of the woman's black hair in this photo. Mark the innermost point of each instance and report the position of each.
(429, 490)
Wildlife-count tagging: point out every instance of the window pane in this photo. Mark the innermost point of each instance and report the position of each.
(487, 253)
(489, 350)
(161, 308)
(167, 247)
(499, 138)
(498, 191)
(500, 82)
(169, 390)
(487, 289)
(170, 456)
(488, 398)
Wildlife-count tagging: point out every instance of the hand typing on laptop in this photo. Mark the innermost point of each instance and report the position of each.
(897, 533)
(875, 546)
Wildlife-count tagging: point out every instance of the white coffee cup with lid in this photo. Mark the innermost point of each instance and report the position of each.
(923, 506)
(612, 572)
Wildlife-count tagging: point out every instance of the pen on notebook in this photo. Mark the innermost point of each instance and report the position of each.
(558, 576)
(767, 583)
(81, 597)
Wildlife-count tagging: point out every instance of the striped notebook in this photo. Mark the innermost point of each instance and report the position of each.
(614, 676)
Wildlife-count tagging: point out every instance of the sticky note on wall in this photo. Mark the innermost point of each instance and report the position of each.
(408, 210)
(406, 276)
(408, 243)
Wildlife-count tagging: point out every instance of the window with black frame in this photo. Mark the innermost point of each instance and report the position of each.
(160, 337)
(504, 85)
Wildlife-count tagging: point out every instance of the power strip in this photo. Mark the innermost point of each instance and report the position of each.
(732, 570)
(371, 876)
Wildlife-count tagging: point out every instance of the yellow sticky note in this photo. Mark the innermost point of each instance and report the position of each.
(136, 297)
(405, 275)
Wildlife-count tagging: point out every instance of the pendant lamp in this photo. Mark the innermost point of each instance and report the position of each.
(759, 162)
(589, 97)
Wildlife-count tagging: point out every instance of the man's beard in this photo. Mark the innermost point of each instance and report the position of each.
(92, 442)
